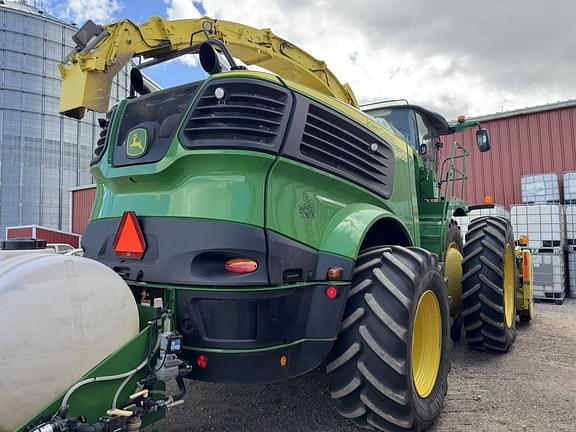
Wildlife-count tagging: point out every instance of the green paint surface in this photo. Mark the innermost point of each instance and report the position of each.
(315, 208)
(205, 184)
(327, 212)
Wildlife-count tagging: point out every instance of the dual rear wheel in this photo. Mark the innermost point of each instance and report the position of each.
(489, 285)
(388, 369)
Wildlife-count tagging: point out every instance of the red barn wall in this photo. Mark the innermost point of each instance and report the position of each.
(81, 208)
(531, 143)
(53, 236)
(15, 232)
(42, 233)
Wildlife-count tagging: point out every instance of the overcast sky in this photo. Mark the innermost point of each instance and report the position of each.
(454, 56)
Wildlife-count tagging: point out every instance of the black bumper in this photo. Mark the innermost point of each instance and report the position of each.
(244, 335)
(243, 324)
(259, 367)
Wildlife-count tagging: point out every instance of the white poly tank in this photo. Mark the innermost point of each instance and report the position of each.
(59, 317)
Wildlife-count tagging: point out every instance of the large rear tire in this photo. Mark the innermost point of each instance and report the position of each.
(489, 285)
(388, 369)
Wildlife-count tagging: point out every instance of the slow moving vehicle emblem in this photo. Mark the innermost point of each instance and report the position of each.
(137, 141)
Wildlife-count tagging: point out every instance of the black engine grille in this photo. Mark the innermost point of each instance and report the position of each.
(338, 145)
(250, 114)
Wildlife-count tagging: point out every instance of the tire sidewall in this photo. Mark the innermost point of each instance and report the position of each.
(428, 409)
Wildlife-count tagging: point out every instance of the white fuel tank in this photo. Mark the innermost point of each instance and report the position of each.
(59, 317)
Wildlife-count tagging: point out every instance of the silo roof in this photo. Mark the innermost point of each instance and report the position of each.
(29, 7)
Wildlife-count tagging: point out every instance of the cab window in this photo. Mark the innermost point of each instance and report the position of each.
(425, 133)
(402, 120)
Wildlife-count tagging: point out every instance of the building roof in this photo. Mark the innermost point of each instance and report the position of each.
(30, 7)
(524, 111)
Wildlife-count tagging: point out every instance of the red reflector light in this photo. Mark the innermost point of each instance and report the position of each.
(129, 241)
(202, 361)
(331, 292)
(241, 265)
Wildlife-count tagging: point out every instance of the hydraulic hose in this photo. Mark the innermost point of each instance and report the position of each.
(126, 376)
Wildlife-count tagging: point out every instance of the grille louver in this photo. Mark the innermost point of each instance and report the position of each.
(348, 150)
(102, 141)
(250, 113)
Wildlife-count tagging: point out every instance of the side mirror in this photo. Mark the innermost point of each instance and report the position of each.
(482, 140)
(423, 149)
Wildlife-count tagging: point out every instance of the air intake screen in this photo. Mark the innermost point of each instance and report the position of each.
(238, 114)
(339, 145)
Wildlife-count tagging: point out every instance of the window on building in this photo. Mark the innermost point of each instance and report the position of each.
(12, 80)
(53, 32)
(52, 69)
(53, 50)
(14, 41)
(32, 83)
(52, 87)
(51, 105)
(13, 99)
(13, 60)
(34, 27)
(15, 22)
(33, 64)
(34, 45)
(32, 102)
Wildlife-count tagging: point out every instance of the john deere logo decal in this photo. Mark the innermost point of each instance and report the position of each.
(137, 140)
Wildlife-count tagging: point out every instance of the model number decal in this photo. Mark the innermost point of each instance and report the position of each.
(308, 207)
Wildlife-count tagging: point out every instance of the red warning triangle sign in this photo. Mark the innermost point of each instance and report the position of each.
(129, 241)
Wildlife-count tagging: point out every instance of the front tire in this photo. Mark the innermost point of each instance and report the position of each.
(388, 369)
(489, 285)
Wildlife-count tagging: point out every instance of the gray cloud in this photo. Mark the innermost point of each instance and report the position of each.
(521, 50)
(515, 45)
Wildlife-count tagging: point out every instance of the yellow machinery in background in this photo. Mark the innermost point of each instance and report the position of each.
(524, 296)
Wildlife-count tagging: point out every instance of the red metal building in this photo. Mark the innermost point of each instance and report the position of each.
(528, 141)
(81, 207)
(43, 233)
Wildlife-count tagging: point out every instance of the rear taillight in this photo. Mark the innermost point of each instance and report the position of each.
(241, 265)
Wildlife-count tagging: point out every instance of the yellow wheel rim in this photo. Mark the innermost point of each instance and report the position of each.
(453, 271)
(426, 344)
(509, 293)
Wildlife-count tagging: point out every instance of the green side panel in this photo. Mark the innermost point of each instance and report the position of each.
(434, 219)
(94, 399)
(210, 184)
(329, 213)
(346, 230)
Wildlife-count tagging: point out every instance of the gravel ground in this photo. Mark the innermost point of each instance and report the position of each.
(532, 388)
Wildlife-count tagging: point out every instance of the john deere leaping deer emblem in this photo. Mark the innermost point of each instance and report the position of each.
(136, 143)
